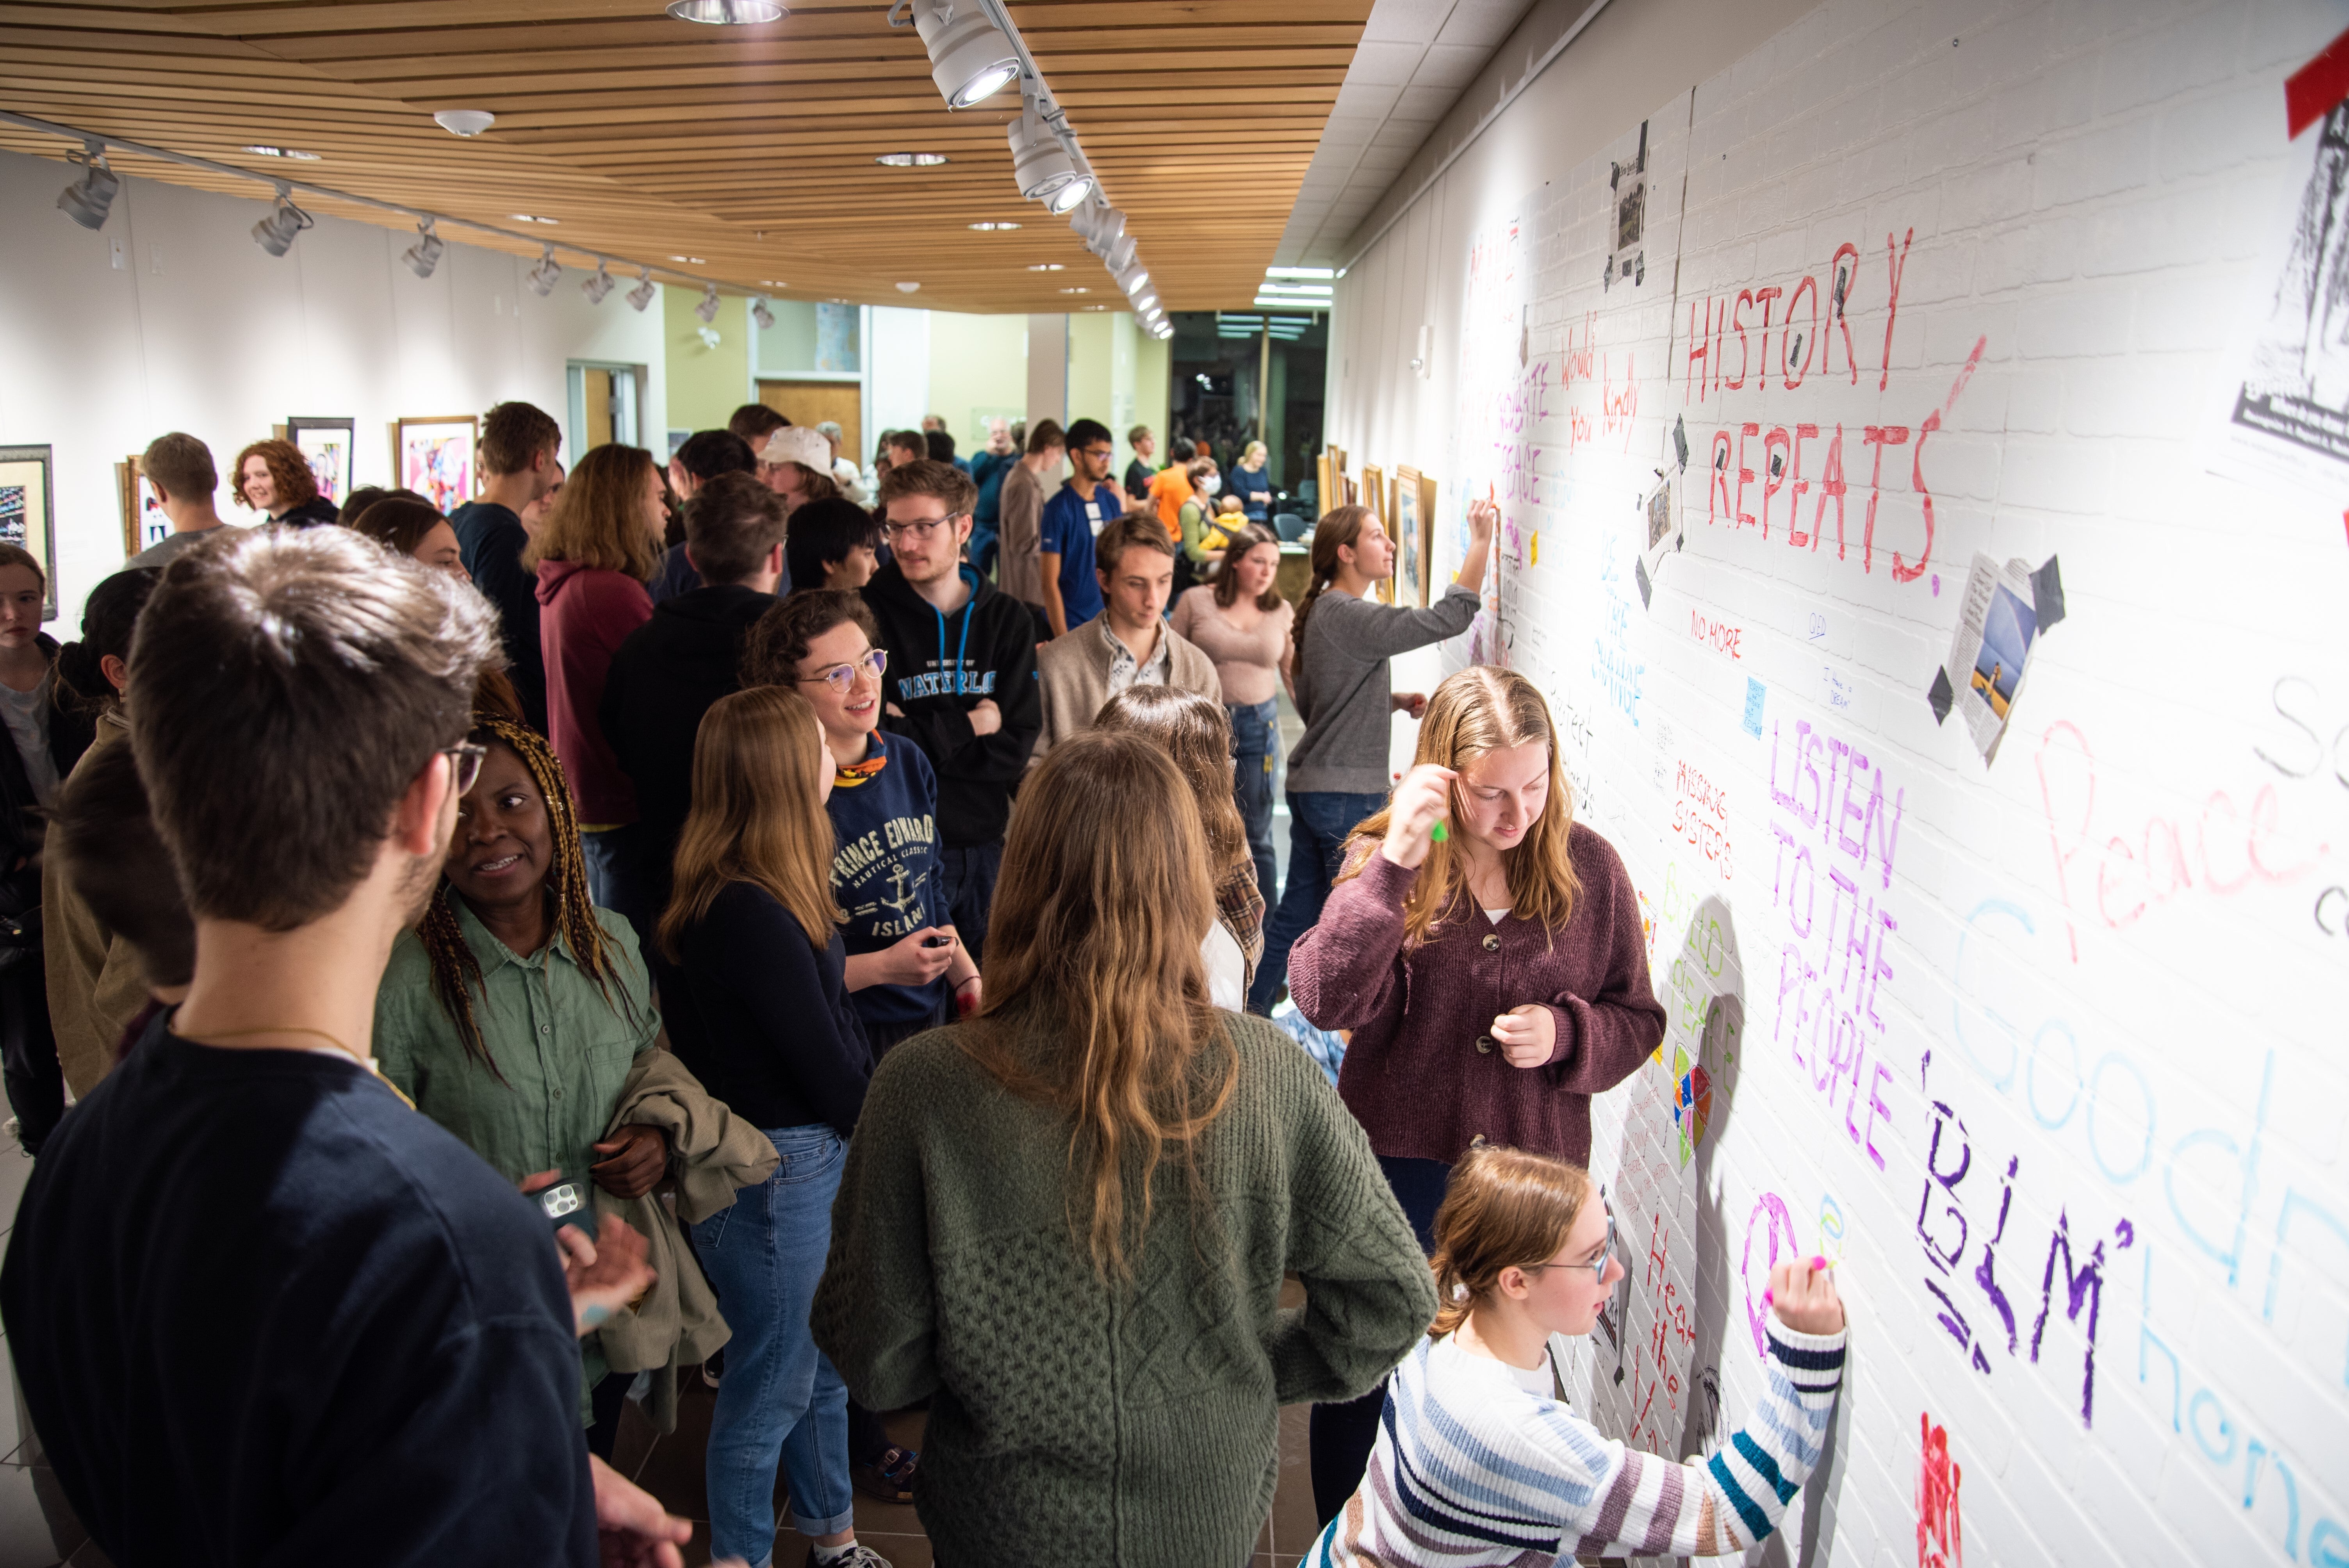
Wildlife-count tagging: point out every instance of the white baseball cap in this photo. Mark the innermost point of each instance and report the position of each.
(800, 444)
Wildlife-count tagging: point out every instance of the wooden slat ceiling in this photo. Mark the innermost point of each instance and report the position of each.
(749, 148)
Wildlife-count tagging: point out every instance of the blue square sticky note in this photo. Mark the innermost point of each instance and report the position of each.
(1752, 708)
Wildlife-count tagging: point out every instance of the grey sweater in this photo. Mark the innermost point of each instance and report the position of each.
(1071, 1422)
(1344, 688)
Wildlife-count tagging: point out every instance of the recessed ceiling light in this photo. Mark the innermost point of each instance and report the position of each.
(911, 159)
(688, 261)
(1046, 267)
(726, 13)
(774, 283)
(909, 288)
(991, 228)
(1077, 290)
(284, 152)
(1300, 273)
(527, 218)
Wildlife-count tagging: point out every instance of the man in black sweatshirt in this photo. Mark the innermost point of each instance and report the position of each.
(961, 682)
(666, 672)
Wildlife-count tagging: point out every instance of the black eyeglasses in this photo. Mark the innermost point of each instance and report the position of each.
(840, 678)
(465, 760)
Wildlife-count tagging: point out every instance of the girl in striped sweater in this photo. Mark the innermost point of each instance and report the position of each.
(1478, 1460)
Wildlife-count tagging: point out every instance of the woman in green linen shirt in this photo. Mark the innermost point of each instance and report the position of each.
(513, 1011)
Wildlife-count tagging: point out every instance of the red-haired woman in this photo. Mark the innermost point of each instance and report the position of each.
(273, 479)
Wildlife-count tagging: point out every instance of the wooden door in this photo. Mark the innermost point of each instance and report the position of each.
(813, 402)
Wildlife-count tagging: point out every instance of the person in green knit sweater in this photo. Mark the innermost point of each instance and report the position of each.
(1065, 1221)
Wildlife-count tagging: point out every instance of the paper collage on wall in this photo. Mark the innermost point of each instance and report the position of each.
(434, 457)
(27, 513)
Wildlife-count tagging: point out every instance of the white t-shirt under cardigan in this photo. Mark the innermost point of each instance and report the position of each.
(1474, 1468)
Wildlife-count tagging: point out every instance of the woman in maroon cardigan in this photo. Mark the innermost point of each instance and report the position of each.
(1495, 978)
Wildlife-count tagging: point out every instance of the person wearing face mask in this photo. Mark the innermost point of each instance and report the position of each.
(1343, 639)
(1494, 977)
(1480, 1462)
(1195, 529)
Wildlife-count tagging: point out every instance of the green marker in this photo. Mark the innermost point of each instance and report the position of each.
(1437, 834)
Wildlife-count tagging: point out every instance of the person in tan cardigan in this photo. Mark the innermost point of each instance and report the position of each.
(1129, 643)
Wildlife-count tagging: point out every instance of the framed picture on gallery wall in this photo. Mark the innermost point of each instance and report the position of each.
(26, 516)
(434, 457)
(1426, 540)
(327, 444)
(1410, 552)
(1375, 496)
(144, 522)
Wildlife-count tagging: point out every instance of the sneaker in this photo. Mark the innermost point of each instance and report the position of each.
(891, 1477)
(714, 1368)
(858, 1555)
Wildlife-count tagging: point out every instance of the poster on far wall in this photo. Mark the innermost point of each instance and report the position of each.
(434, 457)
(144, 521)
(325, 444)
(25, 519)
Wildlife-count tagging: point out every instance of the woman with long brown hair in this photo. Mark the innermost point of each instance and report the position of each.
(1066, 1219)
(1241, 622)
(764, 1022)
(1494, 977)
(600, 546)
(1198, 735)
(1481, 1461)
(1344, 637)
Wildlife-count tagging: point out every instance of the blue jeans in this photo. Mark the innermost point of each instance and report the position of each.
(1319, 821)
(1256, 752)
(781, 1396)
(624, 876)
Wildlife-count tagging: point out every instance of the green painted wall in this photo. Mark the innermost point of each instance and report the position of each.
(705, 384)
(978, 371)
(1117, 374)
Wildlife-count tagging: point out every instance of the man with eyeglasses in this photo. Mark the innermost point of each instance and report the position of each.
(257, 1303)
(962, 679)
(1072, 517)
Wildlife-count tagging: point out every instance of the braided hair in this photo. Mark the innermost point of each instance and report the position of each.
(455, 971)
(1341, 526)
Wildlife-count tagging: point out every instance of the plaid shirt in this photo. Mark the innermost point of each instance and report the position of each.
(1240, 906)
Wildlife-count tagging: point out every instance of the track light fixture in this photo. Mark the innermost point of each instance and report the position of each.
(85, 201)
(1073, 195)
(1039, 163)
(708, 309)
(275, 233)
(726, 13)
(971, 59)
(762, 314)
(1100, 226)
(543, 277)
(598, 283)
(425, 254)
(642, 294)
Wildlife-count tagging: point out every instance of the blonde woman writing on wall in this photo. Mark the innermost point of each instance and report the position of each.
(1479, 1461)
(1495, 978)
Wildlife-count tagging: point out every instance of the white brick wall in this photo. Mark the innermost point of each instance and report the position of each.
(2087, 186)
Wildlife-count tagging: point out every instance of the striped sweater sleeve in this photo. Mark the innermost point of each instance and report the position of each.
(1651, 1507)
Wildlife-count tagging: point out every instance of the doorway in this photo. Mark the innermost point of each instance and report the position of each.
(606, 405)
(813, 402)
